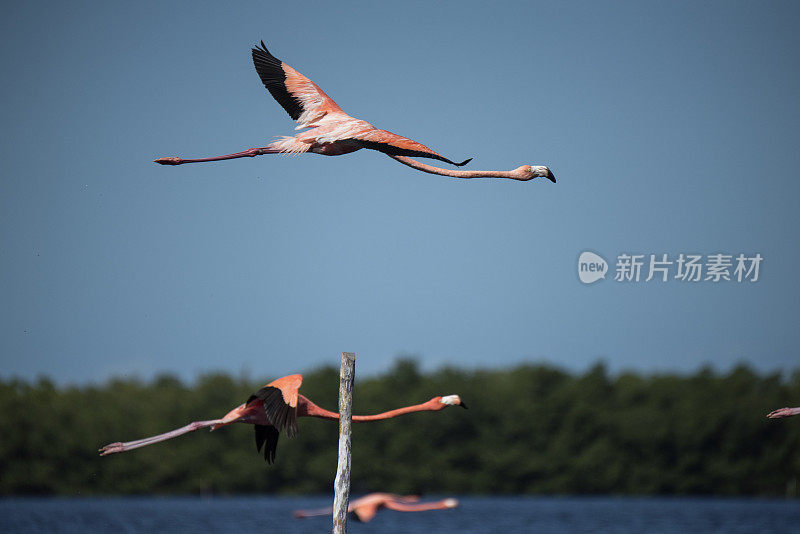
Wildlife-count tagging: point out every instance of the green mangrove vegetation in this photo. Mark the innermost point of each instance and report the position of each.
(533, 429)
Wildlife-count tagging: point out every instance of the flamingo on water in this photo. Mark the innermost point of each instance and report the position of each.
(276, 407)
(783, 412)
(365, 508)
(333, 132)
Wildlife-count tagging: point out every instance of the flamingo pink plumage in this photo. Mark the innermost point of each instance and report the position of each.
(276, 407)
(332, 132)
(365, 508)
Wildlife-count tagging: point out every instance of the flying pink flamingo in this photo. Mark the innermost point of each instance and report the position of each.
(276, 407)
(783, 412)
(366, 507)
(333, 132)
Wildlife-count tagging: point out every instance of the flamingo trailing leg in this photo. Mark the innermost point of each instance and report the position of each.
(276, 407)
(332, 132)
(783, 412)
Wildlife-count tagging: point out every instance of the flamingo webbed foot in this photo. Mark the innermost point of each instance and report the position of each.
(168, 161)
(111, 448)
(783, 412)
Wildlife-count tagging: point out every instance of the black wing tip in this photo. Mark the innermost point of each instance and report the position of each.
(261, 50)
(462, 163)
(267, 437)
(272, 74)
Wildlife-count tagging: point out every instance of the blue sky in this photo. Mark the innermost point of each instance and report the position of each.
(672, 128)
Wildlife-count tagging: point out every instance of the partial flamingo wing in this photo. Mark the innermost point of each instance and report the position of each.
(396, 145)
(302, 99)
(364, 508)
(279, 399)
(364, 512)
(267, 437)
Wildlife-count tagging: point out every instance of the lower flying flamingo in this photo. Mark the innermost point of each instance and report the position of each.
(783, 412)
(366, 507)
(276, 407)
(333, 132)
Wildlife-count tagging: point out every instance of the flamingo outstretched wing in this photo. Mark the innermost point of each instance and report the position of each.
(307, 103)
(302, 99)
(397, 145)
(279, 399)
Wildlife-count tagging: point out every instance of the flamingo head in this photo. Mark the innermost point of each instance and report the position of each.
(540, 171)
(452, 400)
(450, 503)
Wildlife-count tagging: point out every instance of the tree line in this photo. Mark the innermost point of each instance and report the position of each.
(532, 429)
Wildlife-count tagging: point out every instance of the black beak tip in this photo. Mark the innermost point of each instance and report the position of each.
(551, 176)
(464, 406)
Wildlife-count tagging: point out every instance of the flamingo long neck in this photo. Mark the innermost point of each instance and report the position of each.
(420, 507)
(307, 408)
(522, 173)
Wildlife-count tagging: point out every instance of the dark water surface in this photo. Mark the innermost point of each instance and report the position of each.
(541, 515)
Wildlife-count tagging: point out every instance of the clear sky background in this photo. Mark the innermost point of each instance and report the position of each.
(671, 127)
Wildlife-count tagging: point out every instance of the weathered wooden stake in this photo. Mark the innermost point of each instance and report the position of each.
(341, 487)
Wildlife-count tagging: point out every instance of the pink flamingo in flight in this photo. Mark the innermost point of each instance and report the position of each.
(332, 132)
(365, 508)
(276, 407)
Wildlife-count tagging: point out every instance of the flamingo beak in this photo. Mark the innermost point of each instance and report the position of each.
(541, 171)
(463, 405)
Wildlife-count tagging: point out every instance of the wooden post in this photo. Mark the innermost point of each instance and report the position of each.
(341, 487)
